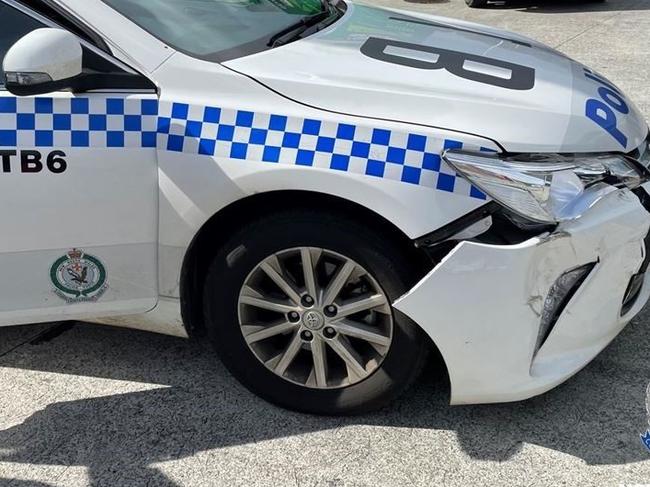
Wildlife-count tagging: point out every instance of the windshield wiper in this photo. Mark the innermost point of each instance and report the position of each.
(294, 31)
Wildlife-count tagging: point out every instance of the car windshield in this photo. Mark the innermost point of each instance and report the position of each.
(216, 30)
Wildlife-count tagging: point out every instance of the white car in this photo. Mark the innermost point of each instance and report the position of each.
(325, 191)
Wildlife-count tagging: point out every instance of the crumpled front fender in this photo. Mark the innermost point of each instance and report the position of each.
(482, 304)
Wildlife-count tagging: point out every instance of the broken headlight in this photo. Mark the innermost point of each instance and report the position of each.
(545, 188)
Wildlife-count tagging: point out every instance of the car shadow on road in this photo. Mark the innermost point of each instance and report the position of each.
(572, 6)
(576, 6)
(597, 416)
(556, 6)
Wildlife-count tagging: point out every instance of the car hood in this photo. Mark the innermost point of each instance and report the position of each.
(437, 72)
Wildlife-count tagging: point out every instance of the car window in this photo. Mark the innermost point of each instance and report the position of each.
(210, 28)
(13, 25)
(54, 13)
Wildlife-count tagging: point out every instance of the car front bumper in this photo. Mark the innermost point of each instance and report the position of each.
(483, 304)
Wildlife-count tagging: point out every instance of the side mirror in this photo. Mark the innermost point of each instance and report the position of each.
(43, 61)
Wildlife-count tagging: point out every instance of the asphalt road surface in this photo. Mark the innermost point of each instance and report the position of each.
(89, 405)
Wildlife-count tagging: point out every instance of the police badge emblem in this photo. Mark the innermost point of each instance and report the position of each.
(78, 277)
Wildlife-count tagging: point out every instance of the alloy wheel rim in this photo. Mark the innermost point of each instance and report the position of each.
(315, 318)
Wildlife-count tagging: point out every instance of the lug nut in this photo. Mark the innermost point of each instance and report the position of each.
(307, 336)
(307, 300)
(330, 311)
(329, 332)
(294, 317)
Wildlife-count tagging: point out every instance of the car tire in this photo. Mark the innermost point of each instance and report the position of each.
(477, 3)
(242, 265)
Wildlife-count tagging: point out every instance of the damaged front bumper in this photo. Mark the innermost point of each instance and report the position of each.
(488, 307)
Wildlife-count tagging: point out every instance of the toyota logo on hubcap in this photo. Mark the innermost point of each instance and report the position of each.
(313, 320)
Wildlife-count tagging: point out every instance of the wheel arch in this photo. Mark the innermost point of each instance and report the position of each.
(215, 231)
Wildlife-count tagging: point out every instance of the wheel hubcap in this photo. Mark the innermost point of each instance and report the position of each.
(315, 318)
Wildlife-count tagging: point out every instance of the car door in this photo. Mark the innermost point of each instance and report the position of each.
(78, 186)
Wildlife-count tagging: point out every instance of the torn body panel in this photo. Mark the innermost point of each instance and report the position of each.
(482, 304)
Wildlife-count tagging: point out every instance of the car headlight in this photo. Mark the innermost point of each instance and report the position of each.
(544, 187)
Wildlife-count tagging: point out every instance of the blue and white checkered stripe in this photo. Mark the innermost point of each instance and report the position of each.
(78, 122)
(133, 122)
(277, 139)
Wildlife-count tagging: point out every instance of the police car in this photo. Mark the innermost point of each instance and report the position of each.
(325, 191)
